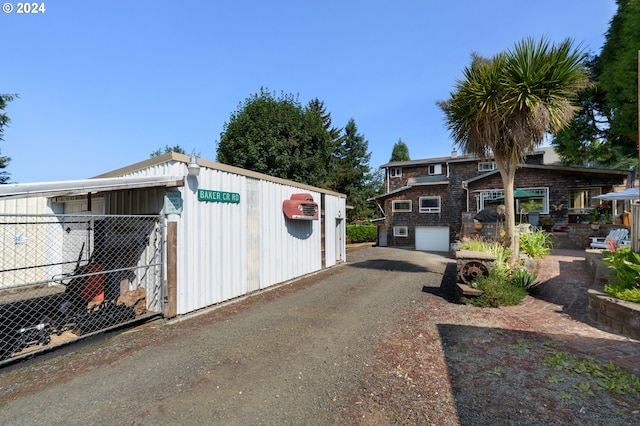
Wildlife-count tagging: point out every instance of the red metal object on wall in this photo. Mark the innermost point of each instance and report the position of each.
(300, 207)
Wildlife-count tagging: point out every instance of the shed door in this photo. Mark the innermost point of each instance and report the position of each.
(432, 238)
(382, 236)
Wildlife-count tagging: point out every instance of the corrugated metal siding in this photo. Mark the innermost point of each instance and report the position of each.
(138, 201)
(290, 248)
(226, 250)
(212, 243)
(33, 205)
(253, 234)
(19, 242)
(144, 201)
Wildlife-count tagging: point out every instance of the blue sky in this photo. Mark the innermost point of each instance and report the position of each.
(102, 84)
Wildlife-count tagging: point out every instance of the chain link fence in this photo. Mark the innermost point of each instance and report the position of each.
(67, 276)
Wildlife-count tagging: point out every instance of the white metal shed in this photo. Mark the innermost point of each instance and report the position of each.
(227, 234)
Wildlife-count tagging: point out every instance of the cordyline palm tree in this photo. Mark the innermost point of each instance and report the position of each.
(505, 106)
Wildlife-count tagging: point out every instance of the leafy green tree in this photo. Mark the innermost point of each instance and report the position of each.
(605, 129)
(504, 107)
(279, 137)
(400, 152)
(167, 149)
(4, 121)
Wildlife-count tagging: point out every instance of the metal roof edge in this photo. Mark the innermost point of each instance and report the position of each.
(575, 169)
(458, 158)
(174, 156)
(553, 167)
(84, 186)
(164, 158)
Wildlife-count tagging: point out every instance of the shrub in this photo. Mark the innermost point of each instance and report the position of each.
(536, 244)
(503, 286)
(625, 280)
(498, 291)
(475, 244)
(361, 233)
(498, 250)
(523, 279)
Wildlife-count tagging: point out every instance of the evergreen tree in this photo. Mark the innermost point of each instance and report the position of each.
(316, 106)
(352, 174)
(400, 152)
(605, 128)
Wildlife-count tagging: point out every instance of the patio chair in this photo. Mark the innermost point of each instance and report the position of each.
(619, 237)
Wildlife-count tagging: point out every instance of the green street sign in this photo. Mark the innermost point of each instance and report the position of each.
(218, 196)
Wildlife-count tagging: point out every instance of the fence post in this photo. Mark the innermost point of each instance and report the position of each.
(171, 308)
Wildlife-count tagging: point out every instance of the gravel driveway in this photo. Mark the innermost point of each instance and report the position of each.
(376, 341)
(293, 355)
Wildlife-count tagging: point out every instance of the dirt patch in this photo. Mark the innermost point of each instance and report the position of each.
(454, 364)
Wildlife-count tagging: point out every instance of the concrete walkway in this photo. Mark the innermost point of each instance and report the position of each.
(560, 310)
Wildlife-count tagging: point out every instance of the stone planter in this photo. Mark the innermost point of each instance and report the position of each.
(471, 264)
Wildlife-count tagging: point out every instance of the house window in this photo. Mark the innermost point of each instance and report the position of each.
(395, 172)
(400, 231)
(526, 199)
(429, 204)
(401, 206)
(435, 169)
(582, 200)
(486, 166)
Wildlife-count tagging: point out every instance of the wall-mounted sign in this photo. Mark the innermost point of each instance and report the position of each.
(218, 196)
(173, 203)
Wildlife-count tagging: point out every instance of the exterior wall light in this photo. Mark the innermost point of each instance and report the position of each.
(193, 167)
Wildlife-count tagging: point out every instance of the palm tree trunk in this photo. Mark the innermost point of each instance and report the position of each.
(508, 173)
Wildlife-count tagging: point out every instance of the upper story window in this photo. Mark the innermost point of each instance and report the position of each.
(435, 169)
(401, 206)
(395, 171)
(429, 204)
(486, 166)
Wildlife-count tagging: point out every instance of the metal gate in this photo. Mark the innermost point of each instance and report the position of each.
(64, 277)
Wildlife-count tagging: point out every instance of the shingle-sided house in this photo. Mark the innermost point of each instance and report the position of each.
(425, 200)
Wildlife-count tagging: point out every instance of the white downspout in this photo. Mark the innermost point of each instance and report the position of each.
(386, 179)
(466, 188)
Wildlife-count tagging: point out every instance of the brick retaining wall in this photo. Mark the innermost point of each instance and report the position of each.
(620, 315)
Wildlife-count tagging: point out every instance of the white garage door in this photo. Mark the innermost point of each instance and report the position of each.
(432, 238)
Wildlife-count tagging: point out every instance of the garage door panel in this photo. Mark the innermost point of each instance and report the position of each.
(432, 238)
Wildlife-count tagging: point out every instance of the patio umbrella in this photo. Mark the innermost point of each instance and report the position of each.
(625, 194)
